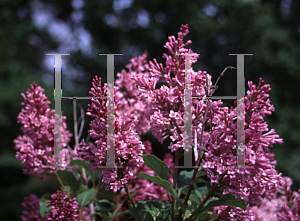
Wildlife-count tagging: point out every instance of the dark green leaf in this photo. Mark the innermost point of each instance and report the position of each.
(163, 183)
(143, 214)
(81, 189)
(157, 165)
(67, 188)
(159, 210)
(110, 203)
(85, 198)
(184, 178)
(43, 203)
(159, 181)
(82, 164)
(107, 194)
(228, 200)
(68, 179)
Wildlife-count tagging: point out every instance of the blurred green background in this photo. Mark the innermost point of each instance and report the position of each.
(270, 29)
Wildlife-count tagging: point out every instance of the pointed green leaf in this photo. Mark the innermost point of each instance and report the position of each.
(159, 181)
(43, 204)
(68, 179)
(228, 200)
(184, 178)
(157, 165)
(85, 197)
(82, 164)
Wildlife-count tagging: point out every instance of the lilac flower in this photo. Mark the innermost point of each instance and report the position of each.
(250, 184)
(290, 208)
(234, 213)
(32, 206)
(165, 105)
(62, 210)
(127, 95)
(128, 147)
(36, 147)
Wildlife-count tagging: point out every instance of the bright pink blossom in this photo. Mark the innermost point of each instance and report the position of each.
(128, 147)
(166, 105)
(261, 180)
(36, 147)
(127, 95)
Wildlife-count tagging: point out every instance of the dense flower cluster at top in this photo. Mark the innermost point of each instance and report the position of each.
(32, 209)
(165, 105)
(261, 180)
(62, 210)
(127, 95)
(128, 147)
(36, 147)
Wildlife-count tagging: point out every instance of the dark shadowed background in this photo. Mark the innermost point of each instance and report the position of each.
(270, 29)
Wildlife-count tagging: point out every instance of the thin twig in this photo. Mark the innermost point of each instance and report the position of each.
(132, 202)
(118, 208)
(211, 191)
(174, 184)
(82, 121)
(222, 74)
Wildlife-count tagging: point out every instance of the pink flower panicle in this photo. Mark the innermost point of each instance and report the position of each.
(128, 147)
(165, 105)
(32, 206)
(127, 95)
(36, 147)
(250, 184)
(289, 209)
(62, 210)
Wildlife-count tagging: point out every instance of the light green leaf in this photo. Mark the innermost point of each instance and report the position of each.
(157, 165)
(85, 197)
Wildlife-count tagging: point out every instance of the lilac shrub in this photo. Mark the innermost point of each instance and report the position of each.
(145, 187)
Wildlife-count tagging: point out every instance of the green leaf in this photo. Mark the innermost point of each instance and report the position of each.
(81, 189)
(143, 214)
(119, 214)
(85, 197)
(44, 209)
(184, 178)
(110, 203)
(68, 179)
(43, 203)
(96, 174)
(67, 188)
(159, 181)
(82, 164)
(107, 194)
(228, 200)
(198, 180)
(157, 165)
(163, 183)
(160, 210)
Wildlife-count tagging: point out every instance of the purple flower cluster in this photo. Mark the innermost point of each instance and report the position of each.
(36, 147)
(165, 105)
(32, 206)
(261, 180)
(62, 210)
(128, 147)
(127, 95)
